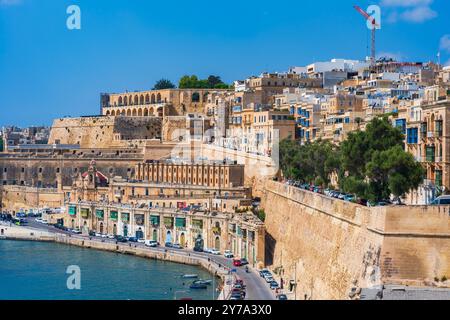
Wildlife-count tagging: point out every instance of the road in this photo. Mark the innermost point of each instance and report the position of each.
(256, 287)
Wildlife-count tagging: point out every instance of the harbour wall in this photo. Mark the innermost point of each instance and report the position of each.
(331, 248)
(12, 232)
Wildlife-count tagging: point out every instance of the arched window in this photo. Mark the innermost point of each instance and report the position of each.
(145, 112)
(141, 99)
(140, 112)
(158, 98)
(120, 101)
(129, 112)
(153, 98)
(134, 113)
(125, 101)
(147, 98)
(136, 99)
(195, 97)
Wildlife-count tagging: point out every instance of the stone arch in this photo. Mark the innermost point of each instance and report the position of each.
(158, 97)
(195, 97)
(125, 101)
(136, 99)
(108, 113)
(129, 112)
(140, 112)
(113, 113)
(141, 99)
(160, 111)
(134, 113)
(147, 98)
(123, 112)
(151, 111)
(145, 112)
(217, 243)
(153, 98)
(120, 101)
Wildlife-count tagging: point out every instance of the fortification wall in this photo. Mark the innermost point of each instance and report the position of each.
(331, 248)
(16, 198)
(104, 131)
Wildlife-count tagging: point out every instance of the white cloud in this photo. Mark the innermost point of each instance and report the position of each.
(419, 14)
(405, 3)
(10, 2)
(415, 11)
(445, 43)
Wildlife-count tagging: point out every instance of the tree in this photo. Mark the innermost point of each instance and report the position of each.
(193, 82)
(163, 84)
(309, 163)
(374, 164)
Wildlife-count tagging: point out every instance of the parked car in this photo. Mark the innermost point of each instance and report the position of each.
(177, 246)
(215, 252)
(282, 297)
(237, 263)
(120, 238)
(76, 231)
(274, 285)
(132, 239)
(244, 262)
(269, 279)
(169, 245)
(104, 236)
(110, 236)
(228, 254)
(206, 250)
(140, 240)
(98, 234)
(349, 197)
(92, 233)
(151, 243)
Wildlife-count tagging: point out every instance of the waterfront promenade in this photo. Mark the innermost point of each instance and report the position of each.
(257, 289)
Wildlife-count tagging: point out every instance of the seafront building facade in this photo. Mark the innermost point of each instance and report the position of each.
(242, 233)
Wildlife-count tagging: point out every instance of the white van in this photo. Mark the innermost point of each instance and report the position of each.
(151, 243)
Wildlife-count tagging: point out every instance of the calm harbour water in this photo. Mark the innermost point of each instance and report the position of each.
(37, 270)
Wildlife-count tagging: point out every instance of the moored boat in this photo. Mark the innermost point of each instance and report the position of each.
(198, 286)
(200, 281)
(189, 276)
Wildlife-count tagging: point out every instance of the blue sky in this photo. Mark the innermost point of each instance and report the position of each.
(48, 71)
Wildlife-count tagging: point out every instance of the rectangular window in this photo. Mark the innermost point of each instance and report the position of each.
(430, 153)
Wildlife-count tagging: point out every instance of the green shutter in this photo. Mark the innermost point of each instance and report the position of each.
(239, 231)
(72, 210)
(154, 220)
(113, 215)
(180, 222)
(84, 213)
(438, 178)
(430, 153)
(99, 213)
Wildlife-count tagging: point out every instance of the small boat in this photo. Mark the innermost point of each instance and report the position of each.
(190, 276)
(198, 286)
(207, 282)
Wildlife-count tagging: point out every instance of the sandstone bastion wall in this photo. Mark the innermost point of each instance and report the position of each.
(104, 131)
(331, 248)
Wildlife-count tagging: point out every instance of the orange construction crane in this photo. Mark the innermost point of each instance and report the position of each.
(374, 24)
